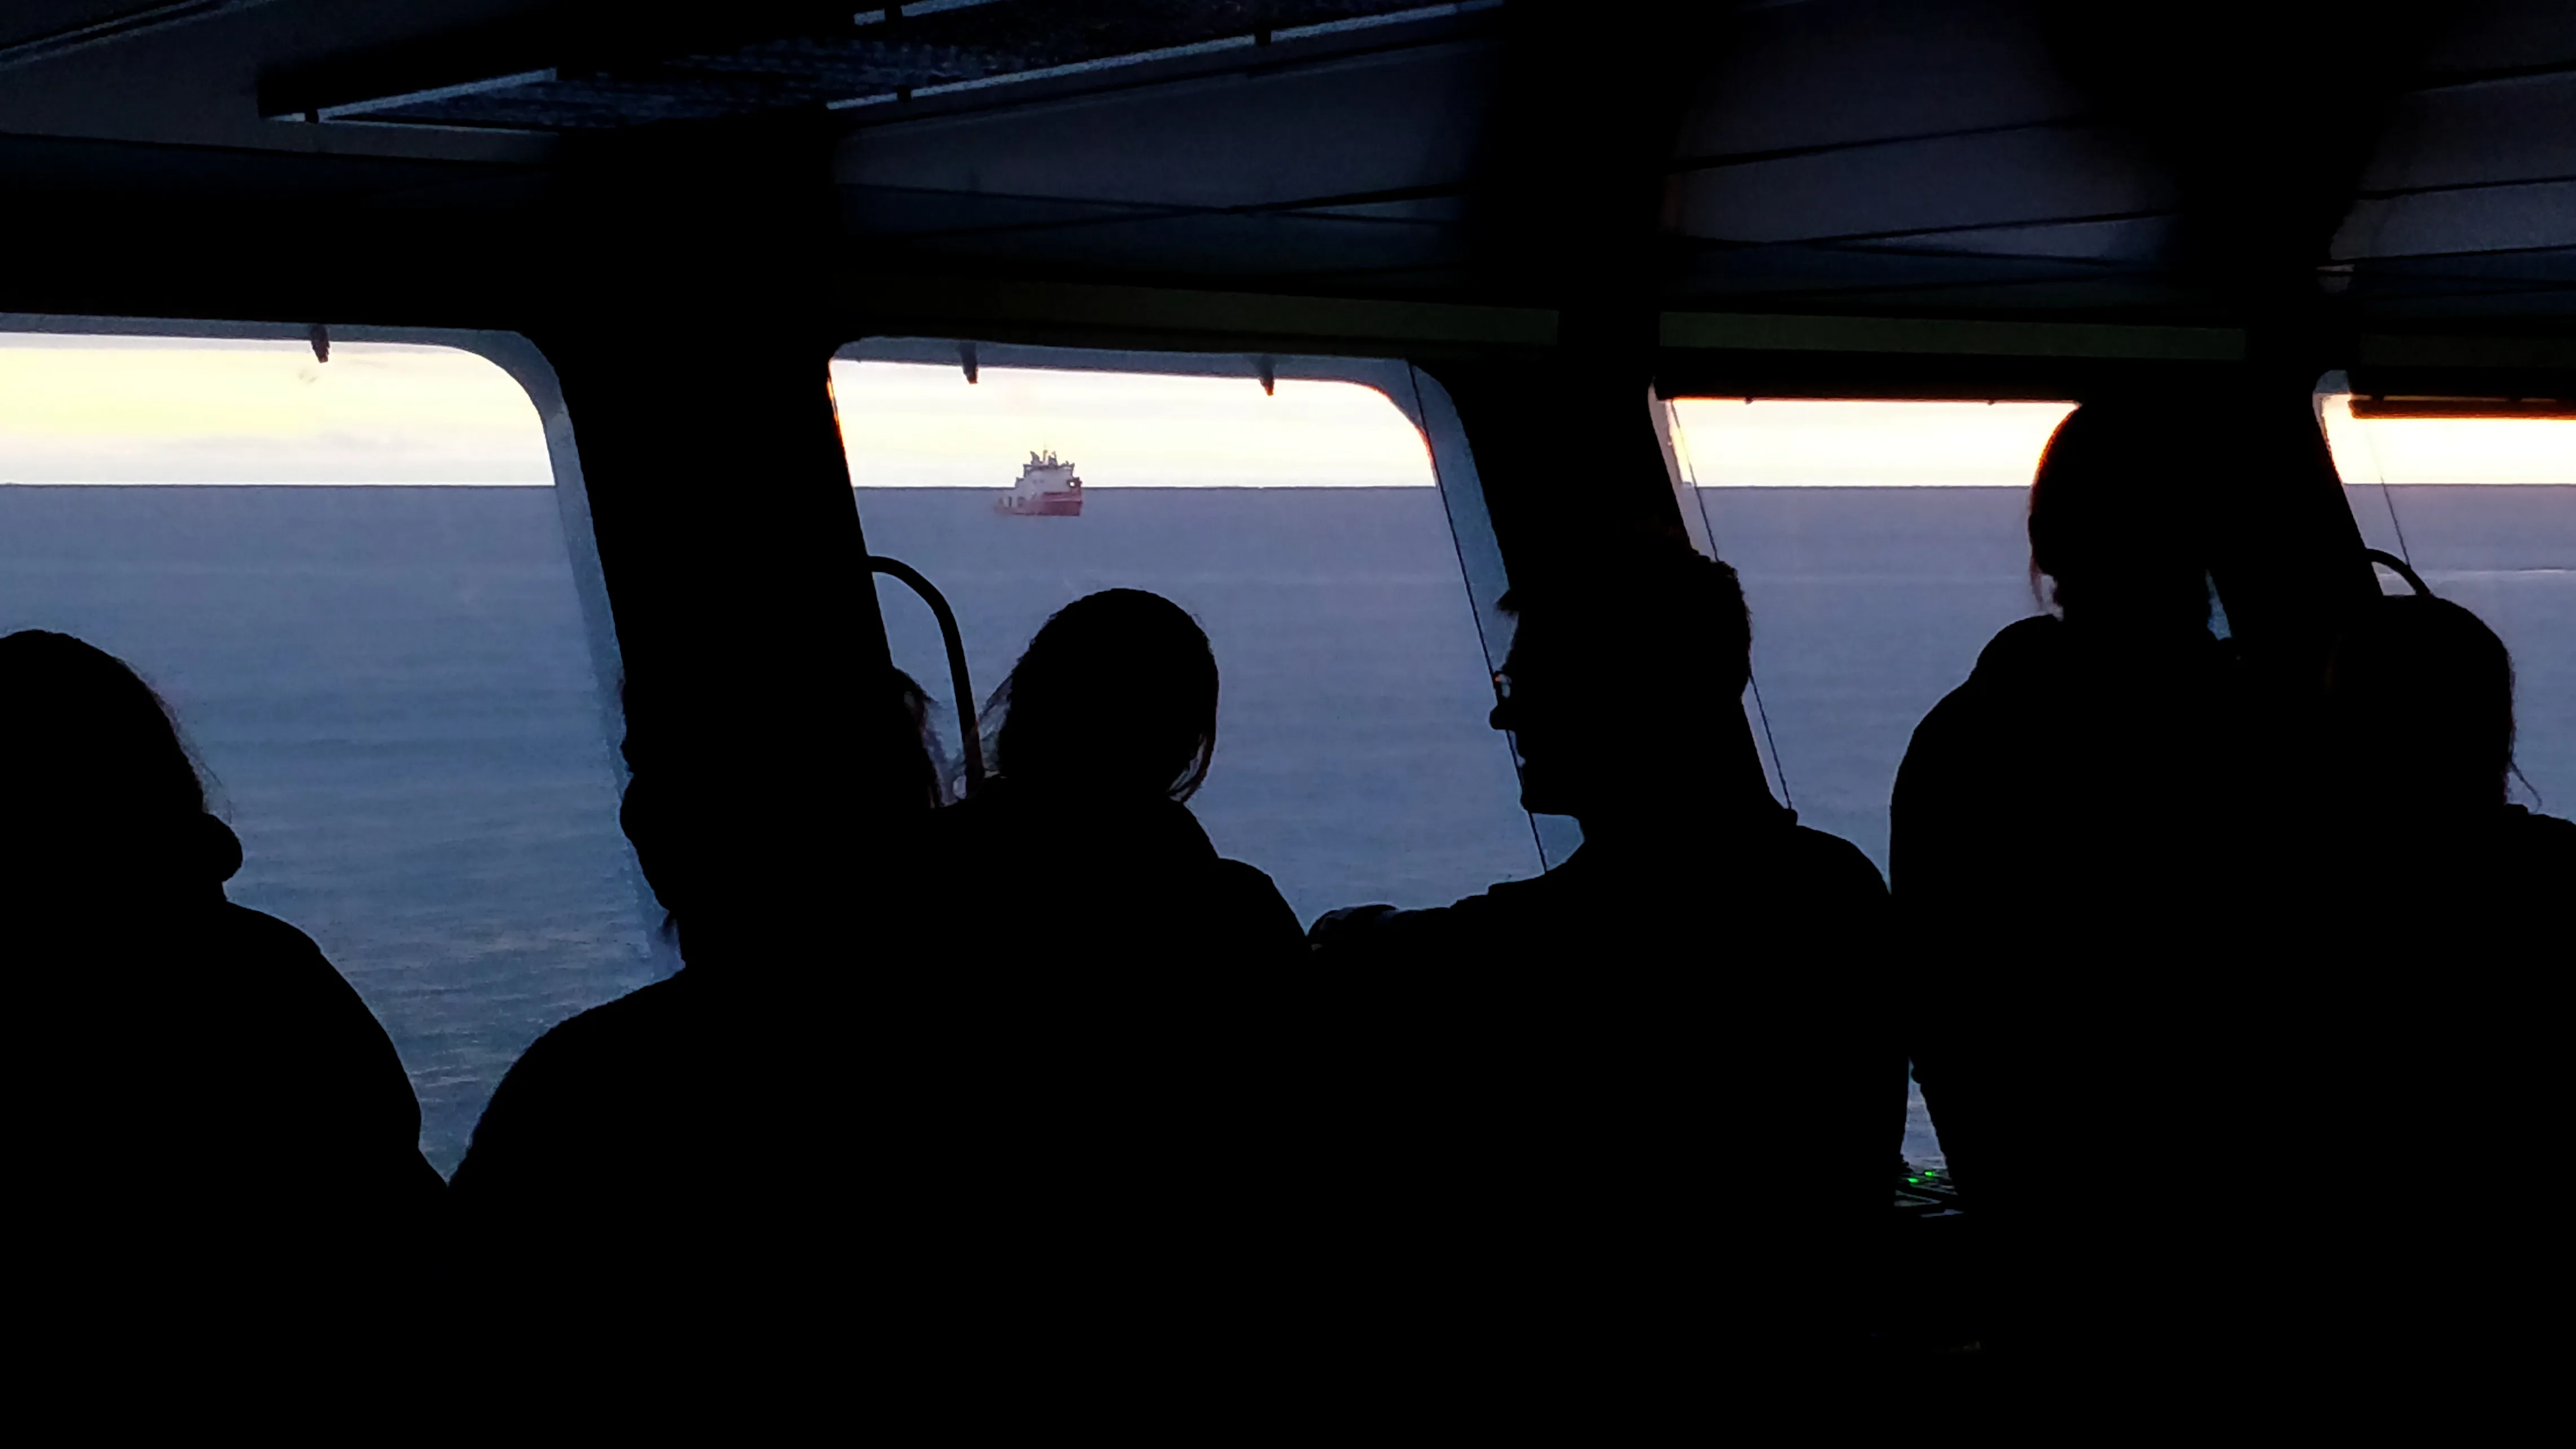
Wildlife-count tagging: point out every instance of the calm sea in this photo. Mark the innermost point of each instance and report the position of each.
(390, 689)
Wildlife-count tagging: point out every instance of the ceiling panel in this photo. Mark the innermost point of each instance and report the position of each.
(2518, 129)
(2014, 178)
(1836, 71)
(2486, 219)
(1346, 130)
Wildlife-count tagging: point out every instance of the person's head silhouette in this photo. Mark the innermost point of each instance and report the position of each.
(2422, 702)
(1606, 655)
(97, 793)
(1115, 697)
(2112, 516)
(746, 840)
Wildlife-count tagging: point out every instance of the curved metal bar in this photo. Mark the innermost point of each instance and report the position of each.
(970, 744)
(2402, 569)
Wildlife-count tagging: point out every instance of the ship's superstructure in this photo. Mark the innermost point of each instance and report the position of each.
(1047, 489)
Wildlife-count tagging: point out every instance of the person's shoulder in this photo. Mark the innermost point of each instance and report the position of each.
(1482, 918)
(2016, 658)
(575, 1091)
(244, 930)
(2019, 652)
(1361, 933)
(2025, 655)
(303, 1035)
(602, 1051)
(1242, 880)
(1952, 733)
(2020, 646)
(269, 965)
(1248, 894)
(632, 1021)
(1835, 863)
(2542, 837)
(1003, 818)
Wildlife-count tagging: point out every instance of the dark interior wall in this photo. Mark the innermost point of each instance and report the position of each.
(1569, 211)
(684, 323)
(2264, 125)
(1567, 457)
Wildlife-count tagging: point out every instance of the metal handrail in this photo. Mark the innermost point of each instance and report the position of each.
(2401, 568)
(970, 744)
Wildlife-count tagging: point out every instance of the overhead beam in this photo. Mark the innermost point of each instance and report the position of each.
(1185, 319)
(69, 38)
(1217, 321)
(571, 37)
(2539, 353)
(1756, 332)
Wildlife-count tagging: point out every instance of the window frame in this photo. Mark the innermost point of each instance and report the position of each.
(1415, 393)
(527, 365)
(1660, 402)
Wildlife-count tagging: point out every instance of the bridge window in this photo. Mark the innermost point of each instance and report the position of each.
(1300, 524)
(1881, 545)
(350, 580)
(2484, 508)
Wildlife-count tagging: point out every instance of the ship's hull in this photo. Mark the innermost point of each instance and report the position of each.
(1044, 505)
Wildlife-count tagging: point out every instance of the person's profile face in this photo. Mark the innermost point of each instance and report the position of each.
(660, 850)
(1538, 701)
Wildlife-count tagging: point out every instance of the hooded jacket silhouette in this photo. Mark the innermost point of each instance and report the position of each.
(202, 1087)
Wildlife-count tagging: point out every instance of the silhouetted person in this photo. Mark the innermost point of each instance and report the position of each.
(709, 1158)
(1098, 1005)
(2420, 700)
(2450, 931)
(196, 1089)
(2069, 856)
(1083, 838)
(1635, 1116)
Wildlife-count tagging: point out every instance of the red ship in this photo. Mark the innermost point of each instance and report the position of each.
(1047, 489)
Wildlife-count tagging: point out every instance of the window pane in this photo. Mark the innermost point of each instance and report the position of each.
(2485, 510)
(349, 580)
(1303, 531)
(1881, 545)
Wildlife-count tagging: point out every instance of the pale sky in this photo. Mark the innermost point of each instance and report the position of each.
(1786, 442)
(191, 410)
(2448, 450)
(916, 425)
(168, 410)
(1778, 442)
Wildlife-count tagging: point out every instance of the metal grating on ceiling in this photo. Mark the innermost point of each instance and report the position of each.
(1989, 158)
(882, 55)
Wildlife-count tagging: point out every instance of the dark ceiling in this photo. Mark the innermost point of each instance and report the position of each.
(2391, 166)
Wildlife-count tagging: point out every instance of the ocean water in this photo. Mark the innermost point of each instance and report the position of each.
(1353, 761)
(391, 691)
(1869, 604)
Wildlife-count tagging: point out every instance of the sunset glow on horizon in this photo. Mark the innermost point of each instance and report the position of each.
(1787, 442)
(79, 409)
(918, 425)
(93, 409)
(1824, 443)
(2447, 450)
